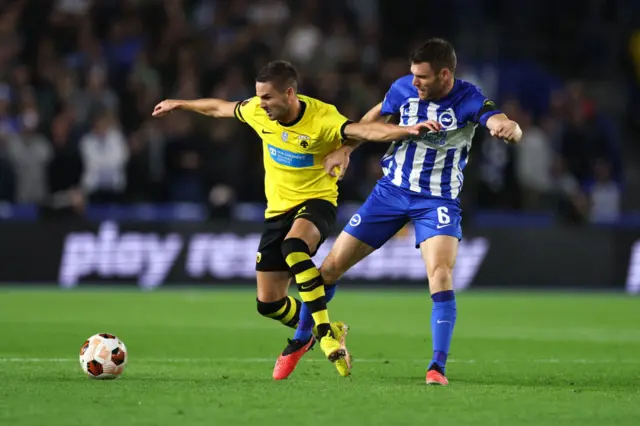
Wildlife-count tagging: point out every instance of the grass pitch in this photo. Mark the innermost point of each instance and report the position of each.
(205, 358)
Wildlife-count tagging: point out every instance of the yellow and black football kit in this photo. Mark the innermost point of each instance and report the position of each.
(293, 153)
(296, 185)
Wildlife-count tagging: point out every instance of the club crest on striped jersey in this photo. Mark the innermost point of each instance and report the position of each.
(447, 119)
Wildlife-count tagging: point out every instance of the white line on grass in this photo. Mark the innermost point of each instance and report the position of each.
(356, 360)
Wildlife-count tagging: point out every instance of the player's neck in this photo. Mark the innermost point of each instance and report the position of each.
(448, 89)
(295, 113)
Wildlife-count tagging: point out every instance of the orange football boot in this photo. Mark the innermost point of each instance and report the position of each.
(288, 360)
(435, 376)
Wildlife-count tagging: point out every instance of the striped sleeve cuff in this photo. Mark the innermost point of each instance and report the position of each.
(342, 130)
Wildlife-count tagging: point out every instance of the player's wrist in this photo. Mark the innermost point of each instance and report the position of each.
(348, 149)
(350, 146)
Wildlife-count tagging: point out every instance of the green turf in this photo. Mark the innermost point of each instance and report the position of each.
(205, 358)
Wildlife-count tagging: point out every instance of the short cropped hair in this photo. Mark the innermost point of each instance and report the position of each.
(438, 52)
(279, 73)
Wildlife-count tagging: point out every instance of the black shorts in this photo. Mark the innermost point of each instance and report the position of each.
(319, 212)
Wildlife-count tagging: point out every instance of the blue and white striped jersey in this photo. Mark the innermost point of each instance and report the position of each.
(432, 165)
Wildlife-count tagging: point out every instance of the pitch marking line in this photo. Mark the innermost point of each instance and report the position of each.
(356, 360)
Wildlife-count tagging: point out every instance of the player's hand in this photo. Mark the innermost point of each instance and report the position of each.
(425, 127)
(508, 131)
(337, 159)
(165, 107)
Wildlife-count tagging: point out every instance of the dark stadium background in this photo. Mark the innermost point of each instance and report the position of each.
(568, 71)
(547, 321)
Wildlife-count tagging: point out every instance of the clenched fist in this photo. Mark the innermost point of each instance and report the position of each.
(508, 131)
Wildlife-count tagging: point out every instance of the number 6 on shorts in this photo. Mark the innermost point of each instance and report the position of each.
(443, 217)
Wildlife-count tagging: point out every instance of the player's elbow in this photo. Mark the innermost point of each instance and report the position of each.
(212, 112)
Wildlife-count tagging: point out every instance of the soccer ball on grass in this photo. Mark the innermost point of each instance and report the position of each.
(103, 356)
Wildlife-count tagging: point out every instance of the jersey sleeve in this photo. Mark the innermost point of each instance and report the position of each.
(245, 110)
(480, 108)
(334, 124)
(392, 101)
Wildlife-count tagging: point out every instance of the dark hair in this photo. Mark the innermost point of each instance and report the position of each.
(438, 52)
(279, 73)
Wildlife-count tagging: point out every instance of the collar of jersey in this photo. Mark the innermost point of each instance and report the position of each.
(303, 108)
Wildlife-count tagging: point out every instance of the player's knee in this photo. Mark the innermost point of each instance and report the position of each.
(441, 278)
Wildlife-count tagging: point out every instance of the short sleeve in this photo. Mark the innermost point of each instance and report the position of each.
(392, 101)
(334, 124)
(245, 110)
(479, 108)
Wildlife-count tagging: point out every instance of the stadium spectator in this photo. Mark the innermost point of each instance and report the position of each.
(30, 152)
(81, 58)
(605, 195)
(570, 203)
(104, 155)
(64, 172)
(185, 160)
(534, 159)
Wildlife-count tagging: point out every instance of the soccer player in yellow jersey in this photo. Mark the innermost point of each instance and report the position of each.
(297, 132)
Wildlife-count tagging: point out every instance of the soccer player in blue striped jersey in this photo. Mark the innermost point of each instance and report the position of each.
(423, 177)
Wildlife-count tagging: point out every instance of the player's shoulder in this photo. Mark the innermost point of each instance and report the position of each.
(249, 103)
(463, 88)
(401, 89)
(316, 106)
(404, 85)
(405, 80)
(465, 96)
(467, 100)
(249, 111)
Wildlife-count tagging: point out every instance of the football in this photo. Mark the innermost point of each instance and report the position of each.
(103, 356)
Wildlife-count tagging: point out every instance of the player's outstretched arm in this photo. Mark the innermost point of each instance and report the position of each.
(337, 162)
(377, 132)
(216, 108)
(339, 159)
(502, 128)
(383, 132)
(371, 116)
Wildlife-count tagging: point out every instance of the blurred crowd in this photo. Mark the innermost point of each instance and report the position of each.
(79, 79)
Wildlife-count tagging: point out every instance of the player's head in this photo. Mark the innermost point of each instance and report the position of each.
(276, 86)
(433, 65)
